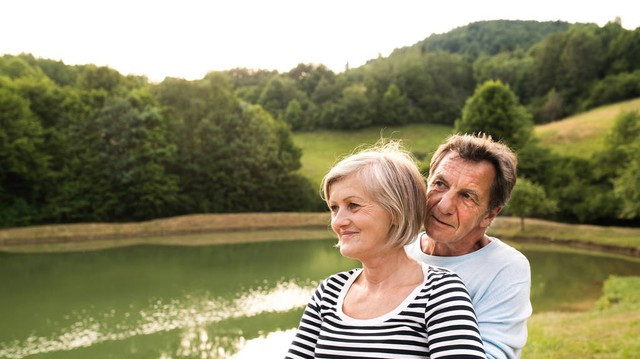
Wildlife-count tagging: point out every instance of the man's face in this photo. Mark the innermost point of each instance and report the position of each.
(458, 200)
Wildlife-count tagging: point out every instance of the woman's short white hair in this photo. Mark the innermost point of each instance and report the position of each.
(391, 177)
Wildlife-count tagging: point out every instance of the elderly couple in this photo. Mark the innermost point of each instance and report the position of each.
(449, 292)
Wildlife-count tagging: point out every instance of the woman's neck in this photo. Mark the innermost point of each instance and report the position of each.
(395, 269)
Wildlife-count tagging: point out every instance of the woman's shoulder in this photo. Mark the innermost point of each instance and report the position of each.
(435, 274)
(339, 279)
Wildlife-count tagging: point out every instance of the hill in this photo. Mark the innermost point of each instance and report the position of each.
(490, 37)
(321, 149)
(584, 134)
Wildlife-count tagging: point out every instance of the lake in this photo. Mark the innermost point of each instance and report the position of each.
(221, 301)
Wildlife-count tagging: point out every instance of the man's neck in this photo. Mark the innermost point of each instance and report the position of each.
(434, 248)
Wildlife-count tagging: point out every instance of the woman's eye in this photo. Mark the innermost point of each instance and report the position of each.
(333, 208)
(353, 205)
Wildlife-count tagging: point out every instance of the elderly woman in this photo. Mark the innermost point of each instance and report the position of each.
(392, 307)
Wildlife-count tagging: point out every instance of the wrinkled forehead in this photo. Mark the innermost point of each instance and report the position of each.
(452, 166)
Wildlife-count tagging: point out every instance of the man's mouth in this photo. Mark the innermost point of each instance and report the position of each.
(441, 222)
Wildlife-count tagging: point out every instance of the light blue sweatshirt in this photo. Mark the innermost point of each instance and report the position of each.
(498, 278)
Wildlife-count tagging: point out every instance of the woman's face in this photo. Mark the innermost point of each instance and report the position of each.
(362, 225)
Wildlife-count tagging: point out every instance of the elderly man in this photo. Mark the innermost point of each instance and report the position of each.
(470, 181)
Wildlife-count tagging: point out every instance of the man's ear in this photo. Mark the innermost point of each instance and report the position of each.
(491, 215)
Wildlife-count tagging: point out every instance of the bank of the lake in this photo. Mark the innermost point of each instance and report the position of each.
(257, 227)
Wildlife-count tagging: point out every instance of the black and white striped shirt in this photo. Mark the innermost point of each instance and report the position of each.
(435, 321)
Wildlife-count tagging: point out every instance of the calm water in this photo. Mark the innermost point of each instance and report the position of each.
(225, 301)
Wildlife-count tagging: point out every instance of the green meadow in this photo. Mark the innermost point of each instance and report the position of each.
(321, 149)
(610, 330)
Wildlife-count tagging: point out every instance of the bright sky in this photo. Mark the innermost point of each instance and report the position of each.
(188, 38)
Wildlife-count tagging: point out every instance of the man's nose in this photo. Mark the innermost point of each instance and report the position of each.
(447, 203)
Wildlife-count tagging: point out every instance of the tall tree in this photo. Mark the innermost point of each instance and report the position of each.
(529, 199)
(494, 109)
(23, 160)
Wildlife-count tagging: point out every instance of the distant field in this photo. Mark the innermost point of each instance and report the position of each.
(584, 134)
(321, 149)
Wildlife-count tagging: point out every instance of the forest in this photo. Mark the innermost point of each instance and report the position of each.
(84, 143)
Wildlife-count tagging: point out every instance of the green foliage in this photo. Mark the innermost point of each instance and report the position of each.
(494, 109)
(620, 291)
(613, 88)
(92, 77)
(581, 194)
(491, 37)
(23, 158)
(394, 108)
(530, 200)
(620, 161)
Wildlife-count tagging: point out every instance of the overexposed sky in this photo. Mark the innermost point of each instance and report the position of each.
(188, 38)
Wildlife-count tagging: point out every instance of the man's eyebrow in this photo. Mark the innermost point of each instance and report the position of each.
(473, 193)
(440, 177)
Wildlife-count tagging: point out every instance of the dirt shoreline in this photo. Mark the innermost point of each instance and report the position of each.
(574, 243)
(627, 251)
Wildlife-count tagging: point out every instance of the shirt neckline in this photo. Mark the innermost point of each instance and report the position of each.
(384, 317)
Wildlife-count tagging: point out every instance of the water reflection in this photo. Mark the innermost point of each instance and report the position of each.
(192, 316)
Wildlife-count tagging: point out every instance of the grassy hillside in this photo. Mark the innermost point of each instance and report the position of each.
(321, 149)
(583, 134)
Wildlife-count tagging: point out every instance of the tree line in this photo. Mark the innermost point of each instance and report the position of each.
(86, 143)
(555, 68)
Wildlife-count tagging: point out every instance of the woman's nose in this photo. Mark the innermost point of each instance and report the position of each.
(340, 218)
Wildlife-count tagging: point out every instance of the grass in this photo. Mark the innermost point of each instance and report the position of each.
(321, 149)
(584, 134)
(608, 331)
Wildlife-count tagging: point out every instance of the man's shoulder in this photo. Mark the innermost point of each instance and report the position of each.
(508, 263)
(506, 253)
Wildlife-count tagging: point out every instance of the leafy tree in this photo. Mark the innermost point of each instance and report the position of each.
(123, 167)
(529, 199)
(92, 77)
(494, 109)
(552, 109)
(353, 109)
(619, 161)
(627, 187)
(394, 108)
(294, 116)
(231, 157)
(276, 95)
(23, 160)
